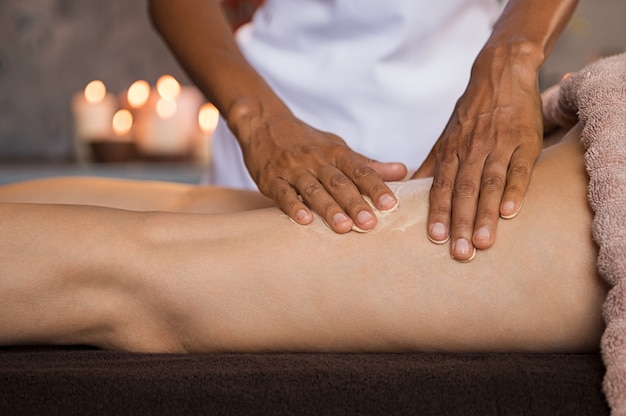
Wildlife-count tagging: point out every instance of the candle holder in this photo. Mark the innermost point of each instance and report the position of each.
(169, 123)
(109, 151)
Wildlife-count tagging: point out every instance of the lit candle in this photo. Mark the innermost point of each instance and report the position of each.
(189, 102)
(208, 117)
(138, 94)
(122, 124)
(93, 113)
(168, 88)
(156, 130)
(167, 123)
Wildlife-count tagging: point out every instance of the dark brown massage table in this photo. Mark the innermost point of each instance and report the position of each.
(87, 381)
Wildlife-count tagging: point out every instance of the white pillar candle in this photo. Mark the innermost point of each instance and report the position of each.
(122, 125)
(167, 123)
(138, 94)
(189, 102)
(208, 117)
(156, 130)
(93, 111)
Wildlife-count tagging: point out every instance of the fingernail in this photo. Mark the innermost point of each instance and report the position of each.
(461, 247)
(339, 218)
(364, 218)
(301, 214)
(438, 233)
(387, 201)
(472, 257)
(508, 210)
(483, 234)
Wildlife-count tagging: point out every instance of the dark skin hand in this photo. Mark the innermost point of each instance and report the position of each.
(303, 169)
(482, 162)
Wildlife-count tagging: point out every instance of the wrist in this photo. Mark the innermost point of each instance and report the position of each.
(523, 56)
(245, 114)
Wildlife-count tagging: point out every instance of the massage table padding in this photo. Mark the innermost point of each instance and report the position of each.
(85, 381)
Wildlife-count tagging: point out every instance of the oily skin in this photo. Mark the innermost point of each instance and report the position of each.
(254, 281)
(311, 289)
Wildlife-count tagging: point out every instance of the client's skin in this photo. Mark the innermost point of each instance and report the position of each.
(255, 281)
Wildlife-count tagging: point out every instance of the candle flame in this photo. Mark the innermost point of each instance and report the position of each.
(166, 108)
(138, 93)
(208, 117)
(122, 122)
(95, 92)
(168, 87)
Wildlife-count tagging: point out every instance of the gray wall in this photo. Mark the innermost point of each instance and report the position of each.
(597, 29)
(49, 49)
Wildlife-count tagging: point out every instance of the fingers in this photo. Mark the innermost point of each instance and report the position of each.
(336, 197)
(467, 199)
(287, 199)
(492, 184)
(453, 199)
(520, 169)
(440, 200)
(345, 187)
(337, 200)
(306, 170)
(389, 171)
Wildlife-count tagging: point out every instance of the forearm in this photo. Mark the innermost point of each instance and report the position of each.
(201, 39)
(527, 30)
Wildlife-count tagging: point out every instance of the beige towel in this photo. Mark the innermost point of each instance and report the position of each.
(596, 96)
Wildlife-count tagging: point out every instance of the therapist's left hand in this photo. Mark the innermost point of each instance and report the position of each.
(482, 162)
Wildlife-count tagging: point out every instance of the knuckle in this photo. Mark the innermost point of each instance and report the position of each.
(487, 213)
(465, 189)
(338, 180)
(327, 208)
(492, 182)
(442, 184)
(291, 205)
(463, 224)
(447, 154)
(280, 193)
(312, 191)
(519, 169)
(440, 211)
(514, 189)
(363, 173)
(368, 181)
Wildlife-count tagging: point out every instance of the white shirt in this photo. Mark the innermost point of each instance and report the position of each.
(384, 75)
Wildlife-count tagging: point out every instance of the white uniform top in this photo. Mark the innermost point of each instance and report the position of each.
(384, 75)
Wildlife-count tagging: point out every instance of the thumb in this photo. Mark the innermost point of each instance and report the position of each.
(427, 169)
(389, 171)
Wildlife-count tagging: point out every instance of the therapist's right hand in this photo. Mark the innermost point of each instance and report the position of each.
(305, 170)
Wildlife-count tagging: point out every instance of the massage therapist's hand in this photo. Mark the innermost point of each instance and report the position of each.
(302, 168)
(481, 164)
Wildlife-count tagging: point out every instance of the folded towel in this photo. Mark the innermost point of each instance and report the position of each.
(596, 96)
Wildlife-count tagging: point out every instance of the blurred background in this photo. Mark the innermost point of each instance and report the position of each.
(51, 49)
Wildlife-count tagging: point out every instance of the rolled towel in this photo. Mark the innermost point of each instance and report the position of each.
(596, 96)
